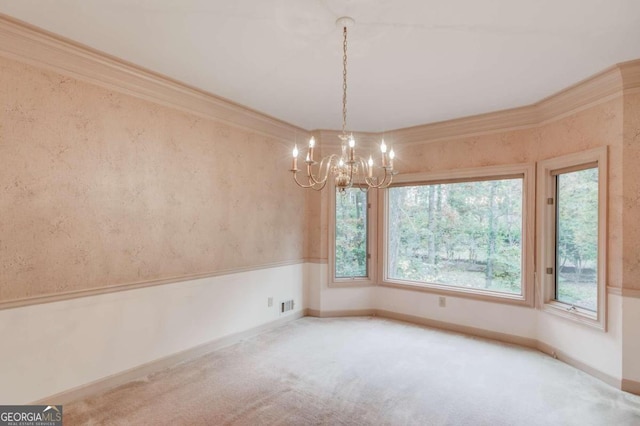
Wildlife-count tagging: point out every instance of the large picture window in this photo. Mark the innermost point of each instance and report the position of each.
(462, 234)
(466, 232)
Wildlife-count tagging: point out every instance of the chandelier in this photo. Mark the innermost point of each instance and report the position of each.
(347, 169)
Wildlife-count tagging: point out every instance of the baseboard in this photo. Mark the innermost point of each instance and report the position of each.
(631, 386)
(135, 373)
(472, 331)
(313, 312)
(568, 359)
(342, 313)
(624, 384)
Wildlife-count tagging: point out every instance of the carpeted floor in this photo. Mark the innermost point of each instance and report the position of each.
(363, 371)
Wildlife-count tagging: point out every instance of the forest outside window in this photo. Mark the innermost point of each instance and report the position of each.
(576, 238)
(572, 209)
(467, 234)
(351, 234)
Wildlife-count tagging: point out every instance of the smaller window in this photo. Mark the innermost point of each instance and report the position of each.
(352, 228)
(571, 213)
(576, 238)
(351, 234)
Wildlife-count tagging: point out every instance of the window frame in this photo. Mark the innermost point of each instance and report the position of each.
(547, 171)
(372, 245)
(527, 172)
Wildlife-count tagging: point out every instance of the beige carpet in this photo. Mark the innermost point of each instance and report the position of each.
(363, 371)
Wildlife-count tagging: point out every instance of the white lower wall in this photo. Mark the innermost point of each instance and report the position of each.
(327, 299)
(314, 281)
(497, 317)
(595, 348)
(54, 347)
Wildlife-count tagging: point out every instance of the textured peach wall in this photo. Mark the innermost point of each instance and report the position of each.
(631, 208)
(317, 223)
(597, 126)
(100, 188)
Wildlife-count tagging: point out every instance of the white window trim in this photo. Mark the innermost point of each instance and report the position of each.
(527, 171)
(546, 237)
(372, 219)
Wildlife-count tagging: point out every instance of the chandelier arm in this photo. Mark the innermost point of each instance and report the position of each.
(301, 185)
(310, 178)
(318, 185)
(377, 183)
(370, 181)
(390, 180)
(321, 187)
(364, 186)
(384, 179)
(324, 163)
(385, 183)
(313, 184)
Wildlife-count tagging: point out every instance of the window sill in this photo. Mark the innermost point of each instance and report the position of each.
(575, 314)
(466, 292)
(350, 282)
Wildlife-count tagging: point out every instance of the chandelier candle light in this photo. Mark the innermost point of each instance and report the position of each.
(347, 169)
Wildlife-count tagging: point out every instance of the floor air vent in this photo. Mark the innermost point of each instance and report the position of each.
(287, 305)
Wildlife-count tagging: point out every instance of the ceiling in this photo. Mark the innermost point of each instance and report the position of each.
(411, 62)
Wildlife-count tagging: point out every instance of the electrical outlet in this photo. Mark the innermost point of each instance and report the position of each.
(442, 301)
(270, 302)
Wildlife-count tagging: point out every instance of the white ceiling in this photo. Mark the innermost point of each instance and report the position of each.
(411, 62)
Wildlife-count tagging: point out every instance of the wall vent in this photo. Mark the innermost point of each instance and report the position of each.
(286, 306)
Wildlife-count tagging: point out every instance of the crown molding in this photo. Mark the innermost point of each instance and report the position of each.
(602, 87)
(630, 75)
(26, 43)
(596, 89)
(35, 46)
(498, 121)
(599, 88)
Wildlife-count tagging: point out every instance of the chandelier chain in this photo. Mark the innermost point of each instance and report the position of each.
(344, 81)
